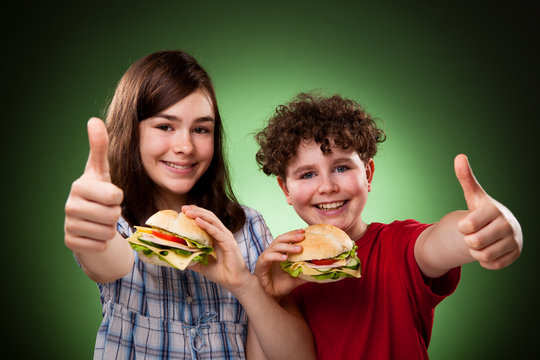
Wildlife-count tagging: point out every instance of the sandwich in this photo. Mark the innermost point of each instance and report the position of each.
(172, 239)
(328, 255)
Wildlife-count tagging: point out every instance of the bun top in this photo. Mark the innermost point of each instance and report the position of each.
(322, 241)
(180, 224)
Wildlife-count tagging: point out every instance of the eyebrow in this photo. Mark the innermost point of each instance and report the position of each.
(345, 159)
(302, 169)
(175, 118)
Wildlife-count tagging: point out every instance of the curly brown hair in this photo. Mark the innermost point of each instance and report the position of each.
(315, 117)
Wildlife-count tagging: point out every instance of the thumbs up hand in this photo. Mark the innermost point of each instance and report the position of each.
(491, 232)
(93, 205)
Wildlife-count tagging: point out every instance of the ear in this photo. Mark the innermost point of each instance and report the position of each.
(283, 185)
(370, 169)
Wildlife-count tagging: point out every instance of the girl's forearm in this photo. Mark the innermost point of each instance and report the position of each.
(108, 265)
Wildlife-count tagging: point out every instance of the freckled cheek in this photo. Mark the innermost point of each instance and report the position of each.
(354, 185)
(301, 195)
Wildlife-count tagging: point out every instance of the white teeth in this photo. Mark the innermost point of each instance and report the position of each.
(179, 167)
(331, 206)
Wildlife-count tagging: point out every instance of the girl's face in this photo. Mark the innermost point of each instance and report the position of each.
(328, 189)
(177, 146)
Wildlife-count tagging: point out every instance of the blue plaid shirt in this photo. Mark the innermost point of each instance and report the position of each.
(157, 312)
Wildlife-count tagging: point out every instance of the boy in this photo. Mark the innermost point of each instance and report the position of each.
(321, 150)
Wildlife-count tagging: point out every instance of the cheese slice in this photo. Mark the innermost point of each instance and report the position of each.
(308, 270)
(178, 261)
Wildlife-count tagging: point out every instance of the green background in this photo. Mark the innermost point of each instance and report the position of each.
(442, 79)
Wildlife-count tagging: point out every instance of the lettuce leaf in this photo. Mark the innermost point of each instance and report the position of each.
(286, 265)
(202, 258)
(334, 273)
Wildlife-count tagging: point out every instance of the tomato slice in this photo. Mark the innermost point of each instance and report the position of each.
(323, 261)
(168, 237)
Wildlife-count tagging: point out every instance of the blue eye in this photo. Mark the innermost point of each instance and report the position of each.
(307, 175)
(341, 168)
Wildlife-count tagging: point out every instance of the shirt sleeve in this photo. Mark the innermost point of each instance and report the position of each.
(255, 235)
(123, 228)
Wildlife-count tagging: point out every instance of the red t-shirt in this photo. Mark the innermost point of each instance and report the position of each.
(385, 314)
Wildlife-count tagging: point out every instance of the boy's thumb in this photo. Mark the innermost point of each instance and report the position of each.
(472, 190)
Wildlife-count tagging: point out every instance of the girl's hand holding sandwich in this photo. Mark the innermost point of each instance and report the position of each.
(229, 268)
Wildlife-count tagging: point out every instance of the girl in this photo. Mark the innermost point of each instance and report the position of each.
(166, 152)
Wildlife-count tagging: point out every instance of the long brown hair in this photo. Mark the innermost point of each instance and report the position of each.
(151, 85)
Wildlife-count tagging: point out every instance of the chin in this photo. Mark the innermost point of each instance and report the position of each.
(314, 220)
(178, 189)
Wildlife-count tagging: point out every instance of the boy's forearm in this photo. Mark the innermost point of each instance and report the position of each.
(279, 334)
(109, 265)
(441, 247)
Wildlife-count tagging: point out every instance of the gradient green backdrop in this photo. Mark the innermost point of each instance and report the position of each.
(443, 79)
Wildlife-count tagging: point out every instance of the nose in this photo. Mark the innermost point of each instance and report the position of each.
(183, 143)
(327, 185)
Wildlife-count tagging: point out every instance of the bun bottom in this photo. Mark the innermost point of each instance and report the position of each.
(312, 279)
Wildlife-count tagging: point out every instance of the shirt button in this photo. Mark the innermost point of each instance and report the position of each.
(189, 300)
(193, 332)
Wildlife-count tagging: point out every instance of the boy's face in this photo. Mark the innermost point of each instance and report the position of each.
(328, 188)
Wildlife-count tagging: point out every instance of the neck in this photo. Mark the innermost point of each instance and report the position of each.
(170, 201)
(358, 231)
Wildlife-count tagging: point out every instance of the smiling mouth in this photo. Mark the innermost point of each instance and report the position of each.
(331, 205)
(179, 167)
